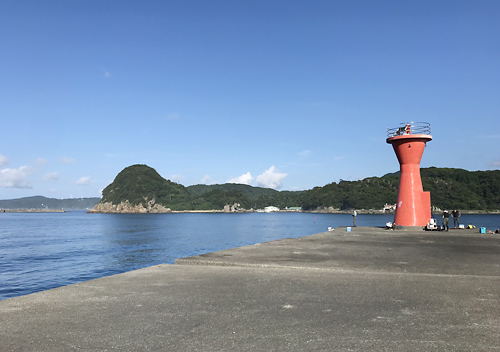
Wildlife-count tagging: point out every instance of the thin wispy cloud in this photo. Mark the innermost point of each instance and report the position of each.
(303, 164)
(3, 160)
(305, 153)
(496, 163)
(51, 176)
(83, 181)
(67, 160)
(106, 73)
(112, 155)
(42, 161)
(172, 116)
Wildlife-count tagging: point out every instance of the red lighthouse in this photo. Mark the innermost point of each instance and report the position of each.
(413, 207)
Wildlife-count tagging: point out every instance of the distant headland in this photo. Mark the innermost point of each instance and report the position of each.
(33, 210)
(41, 204)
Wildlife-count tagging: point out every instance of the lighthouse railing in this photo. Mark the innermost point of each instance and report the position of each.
(406, 128)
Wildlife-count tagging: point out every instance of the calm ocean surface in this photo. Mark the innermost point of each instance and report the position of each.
(41, 251)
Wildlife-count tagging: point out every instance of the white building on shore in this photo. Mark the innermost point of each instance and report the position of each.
(271, 209)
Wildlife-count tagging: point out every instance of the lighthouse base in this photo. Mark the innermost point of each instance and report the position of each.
(413, 209)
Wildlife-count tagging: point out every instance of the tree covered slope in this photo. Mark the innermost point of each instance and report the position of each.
(141, 184)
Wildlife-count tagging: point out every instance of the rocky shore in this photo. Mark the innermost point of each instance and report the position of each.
(126, 207)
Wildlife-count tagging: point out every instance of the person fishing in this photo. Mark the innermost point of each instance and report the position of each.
(446, 220)
(456, 218)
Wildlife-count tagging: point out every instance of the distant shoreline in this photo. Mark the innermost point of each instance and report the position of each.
(213, 211)
(242, 211)
(33, 211)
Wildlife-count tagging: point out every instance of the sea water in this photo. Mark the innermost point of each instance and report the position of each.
(40, 251)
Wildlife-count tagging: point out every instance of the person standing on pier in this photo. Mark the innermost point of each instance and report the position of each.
(446, 220)
(354, 214)
(456, 215)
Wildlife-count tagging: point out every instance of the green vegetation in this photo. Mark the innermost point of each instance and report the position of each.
(249, 191)
(462, 189)
(218, 198)
(140, 184)
(479, 190)
(39, 202)
(370, 193)
(247, 196)
(450, 188)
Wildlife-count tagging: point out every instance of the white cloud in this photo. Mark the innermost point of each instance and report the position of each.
(271, 178)
(3, 160)
(51, 176)
(84, 181)
(176, 178)
(496, 163)
(172, 116)
(105, 72)
(305, 153)
(206, 180)
(66, 160)
(15, 178)
(245, 179)
(42, 161)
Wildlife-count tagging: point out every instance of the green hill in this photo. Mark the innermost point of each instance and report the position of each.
(39, 202)
(247, 190)
(140, 184)
(370, 193)
(462, 189)
(249, 197)
(450, 188)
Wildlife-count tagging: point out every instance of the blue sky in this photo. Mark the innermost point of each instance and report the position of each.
(282, 94)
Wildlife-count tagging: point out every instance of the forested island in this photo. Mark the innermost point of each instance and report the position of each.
(139, 188)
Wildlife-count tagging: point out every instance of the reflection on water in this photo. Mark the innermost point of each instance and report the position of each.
(39, 251)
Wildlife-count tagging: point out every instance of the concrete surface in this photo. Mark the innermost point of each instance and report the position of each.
(367, 290)
(463, 252)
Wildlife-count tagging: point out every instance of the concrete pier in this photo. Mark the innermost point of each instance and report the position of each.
(366, 290)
